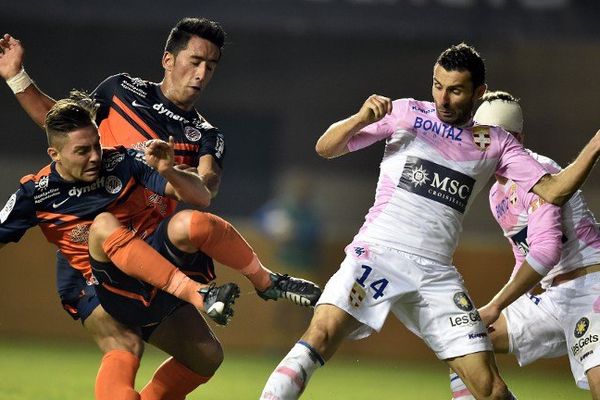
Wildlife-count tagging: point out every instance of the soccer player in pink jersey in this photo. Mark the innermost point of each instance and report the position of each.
(559, 247)
(435, 161)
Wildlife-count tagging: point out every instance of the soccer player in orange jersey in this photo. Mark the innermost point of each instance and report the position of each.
(132, 111)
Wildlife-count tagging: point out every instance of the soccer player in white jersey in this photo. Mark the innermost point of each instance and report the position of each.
(400, 261)
(559, 247)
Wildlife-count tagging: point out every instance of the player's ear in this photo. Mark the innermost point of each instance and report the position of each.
(53, 153)
(480, 91)
(168, 61)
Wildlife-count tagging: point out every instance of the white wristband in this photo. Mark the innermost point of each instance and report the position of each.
(19, 82)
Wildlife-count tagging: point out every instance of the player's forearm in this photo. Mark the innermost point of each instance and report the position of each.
(558, 188)
(187, 187)
(35, 103)
(334, 142)
(525, 279)
(212, 182)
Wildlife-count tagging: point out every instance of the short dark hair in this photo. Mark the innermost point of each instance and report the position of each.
(463, 57)
(499, 95)
(187, 27)
(67, 115)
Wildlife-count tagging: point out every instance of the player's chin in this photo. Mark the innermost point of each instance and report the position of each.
(90, 176)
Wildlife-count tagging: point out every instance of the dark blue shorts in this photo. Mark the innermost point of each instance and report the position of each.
(128, 300)
(77, 297)
(136, 303)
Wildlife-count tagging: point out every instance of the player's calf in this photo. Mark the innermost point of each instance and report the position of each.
(298, 291)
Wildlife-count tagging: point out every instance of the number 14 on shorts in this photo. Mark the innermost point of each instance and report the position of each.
(358, 293)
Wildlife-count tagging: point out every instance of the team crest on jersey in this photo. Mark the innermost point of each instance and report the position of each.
(80, 234)
(481, 137)
(357, 295)
(535, 204)
(462, 301)
(8, 207)
(113, 185)
(192, 133)
(111, 162)
(581, 327)
(512, 194)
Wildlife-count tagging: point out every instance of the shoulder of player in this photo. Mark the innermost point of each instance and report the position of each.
(41, 178)
(549, 164)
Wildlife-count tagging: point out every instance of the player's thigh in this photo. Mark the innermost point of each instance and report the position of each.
(110, 334)
(444, 314)
(186, 336)
(329, 326)
(533, 329)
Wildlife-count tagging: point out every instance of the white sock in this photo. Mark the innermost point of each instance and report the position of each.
(459, 389)
(288, 380)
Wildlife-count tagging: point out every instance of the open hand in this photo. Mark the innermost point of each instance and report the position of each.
(159, 154)
(12, 55)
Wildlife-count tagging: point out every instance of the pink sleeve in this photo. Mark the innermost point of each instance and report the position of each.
(516, 163)
(544, 234)
(381, 129)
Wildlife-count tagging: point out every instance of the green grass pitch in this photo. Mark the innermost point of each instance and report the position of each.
(34, 370)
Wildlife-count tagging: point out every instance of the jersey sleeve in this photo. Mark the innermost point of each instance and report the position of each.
(381, 129)
(544, 233)
(213, 143)
(517, 164)
(103, 95)
(17, 216)
(144, 174)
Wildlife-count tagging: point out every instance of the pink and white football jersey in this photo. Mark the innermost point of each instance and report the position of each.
(553, 240)
(430, 174)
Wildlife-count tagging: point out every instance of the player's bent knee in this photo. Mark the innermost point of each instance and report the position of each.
(104, 224)
(109, 334)
(205, 359)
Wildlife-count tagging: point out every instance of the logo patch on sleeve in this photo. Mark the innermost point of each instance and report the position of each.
(481, 137)
(8, 207)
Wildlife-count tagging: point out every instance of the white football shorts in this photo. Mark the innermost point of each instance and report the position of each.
(429, 298)
(565, 319)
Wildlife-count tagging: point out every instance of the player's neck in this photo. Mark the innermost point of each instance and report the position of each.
(168, 90)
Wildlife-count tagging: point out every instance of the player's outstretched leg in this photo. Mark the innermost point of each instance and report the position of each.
(298, 291)
(109, 241)
(191, 231)
(329, 326)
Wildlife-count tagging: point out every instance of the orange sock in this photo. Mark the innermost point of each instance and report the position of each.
(222, 242)
(172, 381)
(116, 376)
(139, 260)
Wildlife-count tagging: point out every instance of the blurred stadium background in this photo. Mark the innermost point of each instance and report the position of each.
(290, 68)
